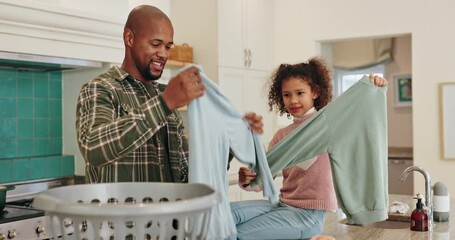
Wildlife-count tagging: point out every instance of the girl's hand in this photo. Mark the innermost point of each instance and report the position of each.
(246, 176)
(378, 81)
(255, 122)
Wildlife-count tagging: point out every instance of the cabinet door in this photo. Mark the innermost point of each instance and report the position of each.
(245, 33)
(256, 100)
(231, 81)
(259, 36)
(231, 33)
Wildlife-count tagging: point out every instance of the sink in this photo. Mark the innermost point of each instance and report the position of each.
(387, 224)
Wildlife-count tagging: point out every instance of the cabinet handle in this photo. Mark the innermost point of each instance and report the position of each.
(250, 58)
(245, 57)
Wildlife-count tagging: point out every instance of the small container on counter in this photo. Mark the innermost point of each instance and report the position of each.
(419, 217)
(441, 202)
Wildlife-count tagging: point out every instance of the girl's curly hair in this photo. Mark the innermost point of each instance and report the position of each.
(315, 73)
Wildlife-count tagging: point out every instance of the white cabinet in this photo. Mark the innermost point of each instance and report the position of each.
(244, 33)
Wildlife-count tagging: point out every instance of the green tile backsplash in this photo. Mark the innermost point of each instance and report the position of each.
(31, 126)
(5, 107)
(24, 169)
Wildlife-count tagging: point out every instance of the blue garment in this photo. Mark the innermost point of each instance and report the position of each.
(216, 128)
(260, 219)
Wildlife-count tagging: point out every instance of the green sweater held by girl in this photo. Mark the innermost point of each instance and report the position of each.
(353, 131)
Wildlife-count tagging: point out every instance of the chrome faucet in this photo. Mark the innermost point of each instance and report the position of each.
(428, 202)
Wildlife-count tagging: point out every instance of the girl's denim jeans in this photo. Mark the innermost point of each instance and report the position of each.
(260, 219)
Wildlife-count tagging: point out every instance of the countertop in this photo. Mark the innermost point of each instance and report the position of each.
(335, 226)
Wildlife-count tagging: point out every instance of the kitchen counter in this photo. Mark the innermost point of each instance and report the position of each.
(335, 226)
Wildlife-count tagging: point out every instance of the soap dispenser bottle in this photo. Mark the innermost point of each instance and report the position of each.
(441, 202)
(419, 217)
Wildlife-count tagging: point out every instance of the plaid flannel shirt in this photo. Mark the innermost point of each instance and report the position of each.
(118, 130)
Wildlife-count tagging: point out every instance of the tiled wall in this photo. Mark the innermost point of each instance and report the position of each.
(31, 126)
(24, 169)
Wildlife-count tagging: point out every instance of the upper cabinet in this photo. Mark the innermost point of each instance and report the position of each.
(245, 55)
(50, 29)
(234, 45)
(244, 33)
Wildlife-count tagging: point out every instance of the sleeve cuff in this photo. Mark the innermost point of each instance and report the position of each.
(166, 110)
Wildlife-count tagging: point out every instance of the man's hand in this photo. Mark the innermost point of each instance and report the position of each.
(255, 122)
(183, 88)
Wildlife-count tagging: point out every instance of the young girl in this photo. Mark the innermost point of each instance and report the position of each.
(299, 91)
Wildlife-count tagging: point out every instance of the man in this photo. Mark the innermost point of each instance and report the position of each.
(127, 124)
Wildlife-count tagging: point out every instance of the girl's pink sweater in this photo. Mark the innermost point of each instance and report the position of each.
(304, 186)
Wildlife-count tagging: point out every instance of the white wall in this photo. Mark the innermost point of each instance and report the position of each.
(198, 27)
(302, 24)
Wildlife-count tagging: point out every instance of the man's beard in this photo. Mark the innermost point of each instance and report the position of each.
(149, 76)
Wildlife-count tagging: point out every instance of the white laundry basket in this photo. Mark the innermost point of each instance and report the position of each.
(129, 210)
